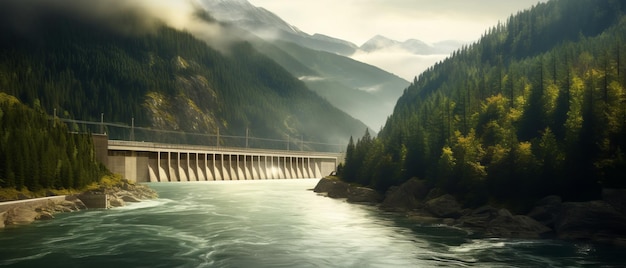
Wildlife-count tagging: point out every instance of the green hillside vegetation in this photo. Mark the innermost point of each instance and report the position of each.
(163, 78)
(536, 107)
(37, 153)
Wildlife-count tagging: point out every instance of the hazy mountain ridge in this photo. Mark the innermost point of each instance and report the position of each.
(366, 92)
(413, 46)
(269, 26)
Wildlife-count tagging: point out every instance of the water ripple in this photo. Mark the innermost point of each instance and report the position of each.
(268, 224)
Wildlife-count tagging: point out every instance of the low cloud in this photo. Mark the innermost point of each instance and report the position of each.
(122, 16)
(311, 78)
(399, 62)
(428, 20)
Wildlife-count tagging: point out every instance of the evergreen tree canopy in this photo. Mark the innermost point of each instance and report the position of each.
(39, 153)
(537, 106)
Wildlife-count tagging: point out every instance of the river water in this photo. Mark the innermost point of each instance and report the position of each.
(277, 223)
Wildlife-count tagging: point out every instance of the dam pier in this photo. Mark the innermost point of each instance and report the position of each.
(160, 162)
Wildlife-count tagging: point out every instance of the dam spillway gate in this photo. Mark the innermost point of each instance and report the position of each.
(155, 162)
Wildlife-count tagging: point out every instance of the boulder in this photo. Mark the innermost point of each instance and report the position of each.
(434, 193)
(363, 195)
(615, 198)
(407, 196)
(444, 206)
(3, 218)
(479, 218)
(44, 215)
(334, 188)
(517, 226)
(69, 206)
(74, 199)
(114, 201)
(595, 220)
(422, 218)
(21, 215)
(546, 210)
(145, 192)
(501, 223)
(324, 185)
(130, 198)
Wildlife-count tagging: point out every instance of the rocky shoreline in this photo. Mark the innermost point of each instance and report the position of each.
(28, 211)
(601, 221)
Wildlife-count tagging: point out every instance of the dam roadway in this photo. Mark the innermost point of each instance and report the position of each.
(160, 162)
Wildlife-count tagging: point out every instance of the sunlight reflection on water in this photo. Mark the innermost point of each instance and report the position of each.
(264, 224)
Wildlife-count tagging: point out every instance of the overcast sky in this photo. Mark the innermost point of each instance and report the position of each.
(426, 20)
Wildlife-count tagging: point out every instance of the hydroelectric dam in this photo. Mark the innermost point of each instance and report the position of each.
(161, 162)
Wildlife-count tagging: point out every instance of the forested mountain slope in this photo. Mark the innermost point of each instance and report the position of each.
(536, 107)
(37, 153)
(161, 77)
(364, 91)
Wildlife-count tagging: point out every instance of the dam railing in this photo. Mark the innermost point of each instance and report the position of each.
(124, 132)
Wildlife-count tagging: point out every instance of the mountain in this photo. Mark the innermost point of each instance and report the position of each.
(413, 46)
(365, 92)
(268, 26)
(37, 153)
(536, 107)
(405, 59)
(125, 65)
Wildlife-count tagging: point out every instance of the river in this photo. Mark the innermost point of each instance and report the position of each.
(277, 223)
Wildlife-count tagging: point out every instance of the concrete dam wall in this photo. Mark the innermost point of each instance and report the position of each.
(152, 162)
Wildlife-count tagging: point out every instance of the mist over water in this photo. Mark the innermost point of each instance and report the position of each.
(269, 224)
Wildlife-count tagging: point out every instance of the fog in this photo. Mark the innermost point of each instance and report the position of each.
(399, 62)
(122, 16)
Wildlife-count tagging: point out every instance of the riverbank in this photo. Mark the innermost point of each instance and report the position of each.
(107, 194)
(601, 221)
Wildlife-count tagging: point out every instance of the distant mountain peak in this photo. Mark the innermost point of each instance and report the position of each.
(269, 26)
(413, 46)
(378, 42)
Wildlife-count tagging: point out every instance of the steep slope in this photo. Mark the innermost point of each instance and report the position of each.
(268, 26)
(161, 77)
(36, 153)
(365, 92)
(535, 107)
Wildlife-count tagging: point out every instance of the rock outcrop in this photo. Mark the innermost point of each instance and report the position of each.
(335, 188)
(493, 222)
(444, 206)
(363, 195)
(616, 198)
(593, 221)
(601, 221)
(332, 187)
(29, 211)
(547, 210)
(117, 196)
(406, 197)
